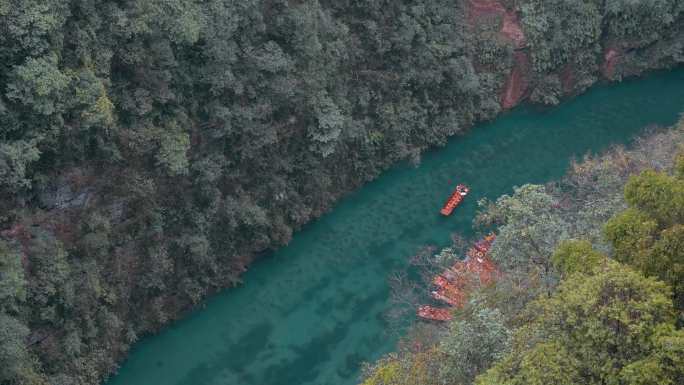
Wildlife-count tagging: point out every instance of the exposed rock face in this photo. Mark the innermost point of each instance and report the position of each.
(72, 189)
(512, 30)
(507, 22)
(611, 58)
(567, 78)
(516, 85)
(62, 196)
(481, 10)
(478, 9)
(530, 54)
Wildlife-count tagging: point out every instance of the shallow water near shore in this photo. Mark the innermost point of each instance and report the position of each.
(312, 312)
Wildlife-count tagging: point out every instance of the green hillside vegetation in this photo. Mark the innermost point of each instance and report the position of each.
(150, 150)
(591, 291)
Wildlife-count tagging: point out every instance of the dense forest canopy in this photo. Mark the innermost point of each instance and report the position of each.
(150, 149)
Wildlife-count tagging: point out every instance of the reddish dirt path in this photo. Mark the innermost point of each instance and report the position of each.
(512, 29)
(516, 85)
(483, 8)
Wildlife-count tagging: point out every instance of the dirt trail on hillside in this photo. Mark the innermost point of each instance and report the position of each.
(487, 11)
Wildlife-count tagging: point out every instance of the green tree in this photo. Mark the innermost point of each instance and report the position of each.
(657, 194)
(409, 369)
(329, 124)
(650, 234)
(590, 331)
(13, 353)
(560, 31)
(39, 84)
(576, 256)
(31, 26)
(679, 166)
(631, 233)
(173, 149)
(529, 228)
(471, 345)
(15, 160)
(546, 363)
(664, 366)
(667, 261)
(50, 289)
(12, 280)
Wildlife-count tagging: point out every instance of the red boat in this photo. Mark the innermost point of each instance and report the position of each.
(484, 244)
(440, 280)
(450, 295)
(434, 313)
(455, 199)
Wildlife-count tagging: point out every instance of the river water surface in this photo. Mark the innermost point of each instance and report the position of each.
(313, 311)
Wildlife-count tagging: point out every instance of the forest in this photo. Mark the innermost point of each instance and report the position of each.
(591, 285)
(150, 150)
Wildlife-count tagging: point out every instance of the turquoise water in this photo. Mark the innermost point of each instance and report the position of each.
(313, 311)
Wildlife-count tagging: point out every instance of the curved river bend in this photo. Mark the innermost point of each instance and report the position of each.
(313, 311)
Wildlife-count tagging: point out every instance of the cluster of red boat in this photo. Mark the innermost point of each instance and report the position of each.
(454, 283)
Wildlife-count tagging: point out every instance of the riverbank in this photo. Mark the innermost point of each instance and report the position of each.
(552, 249)
(313, 311)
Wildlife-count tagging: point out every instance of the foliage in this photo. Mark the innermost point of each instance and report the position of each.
(384, 373)
(394, 370)
(39, 85)
(642, 22)
(658, 195)
(558, 30)
(545, 363)
(472, 344)
(13, 353)
(589, 331)
(576, 256)
(529, 227)
(650, 234)
(664, 366)
(679, 166)
(15, 158)
(12, 281)
(630, 233)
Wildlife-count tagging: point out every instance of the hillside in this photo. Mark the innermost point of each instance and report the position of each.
(151, 150)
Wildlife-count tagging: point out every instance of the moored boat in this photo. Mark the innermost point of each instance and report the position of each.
(449, 295)
(434, 313)
(485, 243)
(455, 199)
(440, 280)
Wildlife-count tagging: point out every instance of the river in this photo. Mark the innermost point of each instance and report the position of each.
(311, 312)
